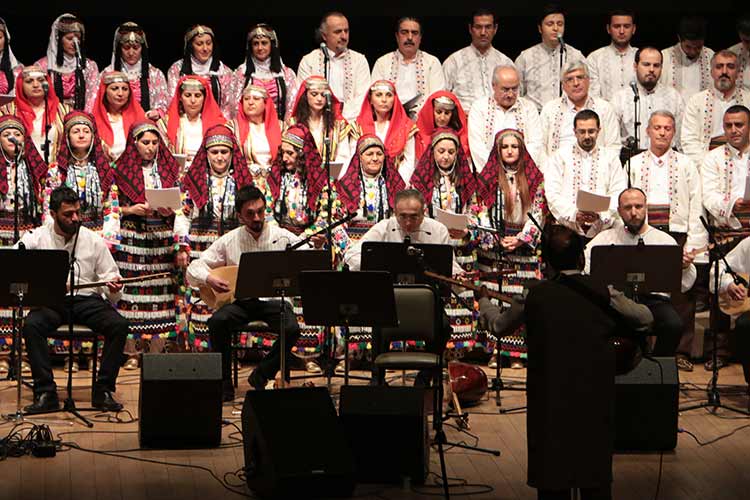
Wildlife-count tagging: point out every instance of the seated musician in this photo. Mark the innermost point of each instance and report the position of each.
(632, 207)
(253, 236)
(94, 263)
(569, 433)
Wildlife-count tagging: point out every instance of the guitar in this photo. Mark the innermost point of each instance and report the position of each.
(214, 299)
(469, 286)
(124, 281)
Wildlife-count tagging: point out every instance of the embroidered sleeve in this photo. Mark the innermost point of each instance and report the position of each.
(112, 213)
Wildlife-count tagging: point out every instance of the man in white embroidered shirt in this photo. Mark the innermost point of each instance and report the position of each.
(687, 65)
(253, 236)
(468, 72)
(583, 166)
(742, 49)
(94, 263)
(612, 66)
(347, 71)
(504, 109)
(416, 73)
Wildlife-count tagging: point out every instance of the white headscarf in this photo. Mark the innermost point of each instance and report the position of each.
(13, 60)
(69, 62)
(129, 70)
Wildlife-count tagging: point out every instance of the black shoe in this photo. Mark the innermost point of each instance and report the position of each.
(44, 402)
(257, 380)
(104, 400)
(227, 391)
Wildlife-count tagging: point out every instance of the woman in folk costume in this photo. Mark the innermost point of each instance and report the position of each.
(192, 111)
(511, 186)
(441, 109)
(146, 241)
(201, 58)
(115, 110)
(263, 67)
(310, 110)
(209, 186)
(383, 114)
(130, 54)
(258, 133)
(27, 166)
(9, 65)
(448, 183)
(28, 105)
(82, 165)
(74, 77)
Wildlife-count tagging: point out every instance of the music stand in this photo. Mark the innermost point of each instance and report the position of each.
(30, 278)
(640, 268)
(407, 262)
(349, 298)
(276, 274)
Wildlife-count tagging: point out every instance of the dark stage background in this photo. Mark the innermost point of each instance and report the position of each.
(371, 24)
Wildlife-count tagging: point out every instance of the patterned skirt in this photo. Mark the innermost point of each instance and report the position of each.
(462, 310)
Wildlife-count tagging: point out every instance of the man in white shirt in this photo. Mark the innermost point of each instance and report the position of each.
(253, 236)
(347, 71)
(611, 67)
(725, 173)
(742, 49)
(94, 263)
(468, 72)
(557, 115)
(687, 65)
(583, 166)
(702, 126)
(502, 110)
(416, 74)
(652, 96)
(540, 66)
(631, 206)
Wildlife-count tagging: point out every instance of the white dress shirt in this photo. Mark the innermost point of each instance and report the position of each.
(422, 75)
(687, 76)
(724, 174)
(738, 259)
(468, 73)
(661, 98)
(610, 70)
(539, 70)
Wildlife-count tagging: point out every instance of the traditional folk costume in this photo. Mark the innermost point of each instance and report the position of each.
(724, 174)
(213, 70)
(539, 71)
(611, 70)
(113, 129)
(207, 214)
(442, 99)
(687, 76)
(34, 118)
(421, 76)
(660, 98)
(272, 74)
(743, 64)
(148, 85)
(10, 68)
(468, 73)
(397, 133)
(74, 83)
(525, 260)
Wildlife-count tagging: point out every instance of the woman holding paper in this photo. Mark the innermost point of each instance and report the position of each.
(510, 187)
(146, 241)
(115, 111)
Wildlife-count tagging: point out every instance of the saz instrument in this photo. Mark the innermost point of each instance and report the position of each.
(124, 281)
(214, 299)
(734, 307)
(469, 285)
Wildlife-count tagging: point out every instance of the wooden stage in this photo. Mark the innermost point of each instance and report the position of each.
(715, 471)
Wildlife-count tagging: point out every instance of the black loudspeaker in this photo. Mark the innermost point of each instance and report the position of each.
(180, 400)
(388, 432)
(281, 464)
(646, 401)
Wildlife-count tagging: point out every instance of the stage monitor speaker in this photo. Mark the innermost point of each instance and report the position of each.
(295, 445)
(388, 432)
(646, 401)
(180, 400)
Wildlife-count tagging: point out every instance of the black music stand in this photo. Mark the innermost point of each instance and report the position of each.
(349, 298)
(30, 278)
(638, 268)
(407, 262)
(276, 274)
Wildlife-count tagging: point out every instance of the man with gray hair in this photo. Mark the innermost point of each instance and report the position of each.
(347, 71)
(557, 115)
(702, 124)
(503, 109)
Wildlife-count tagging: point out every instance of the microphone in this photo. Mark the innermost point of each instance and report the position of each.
(634, 87)
(407, 240)
(78, 48)
(428, 233)
(45, 87)
(15, 141)
(324, 48)
(562, 42)
(705, 224)
(329, 100)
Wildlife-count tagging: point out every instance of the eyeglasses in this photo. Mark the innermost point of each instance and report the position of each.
(409, 217)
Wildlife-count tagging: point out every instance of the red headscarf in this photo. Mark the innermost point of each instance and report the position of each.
(349, 187)
(129, 167)
(426, 123)
(96, 154)
(488, 178)
(400, 129)
(319, 81)
(35, 164)
(131, 113)
(23, 107)
(270, 121)
(195, 181)
(210, 115)
(423, 179)
(301, 139)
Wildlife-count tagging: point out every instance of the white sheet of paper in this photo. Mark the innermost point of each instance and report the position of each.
(336, 169)
(181, 159)
(590, 202)
(452, 220)
(164, 198)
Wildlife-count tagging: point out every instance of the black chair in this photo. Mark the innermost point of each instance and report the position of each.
(236, 346)
(80, 333)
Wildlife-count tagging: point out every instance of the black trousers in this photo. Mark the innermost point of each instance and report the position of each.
(667, 326)
(232, 316)
(88, 310)
(742, 343)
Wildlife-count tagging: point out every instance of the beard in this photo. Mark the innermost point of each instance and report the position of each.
(635, 226)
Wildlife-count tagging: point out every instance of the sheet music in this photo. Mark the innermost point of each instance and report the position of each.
(452, 220)
(164, 198)
(590, 202)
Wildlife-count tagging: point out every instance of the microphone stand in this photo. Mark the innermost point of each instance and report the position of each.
(636, 129)
(562, 50)
(321, 231)
(45, 124)
(326, 60)
(15, 349)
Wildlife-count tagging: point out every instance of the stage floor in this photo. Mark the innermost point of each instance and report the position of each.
(715, 471)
